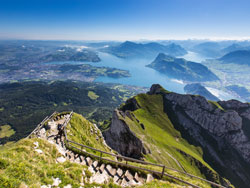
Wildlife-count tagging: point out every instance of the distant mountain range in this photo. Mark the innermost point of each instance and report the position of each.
(238, 57)
(130, 49)
(71, 54)
(180, 68)
(235, 47)
(208, 49)
(241, 91)
(198, 89)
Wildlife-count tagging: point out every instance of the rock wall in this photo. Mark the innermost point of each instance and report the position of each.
(120, 138)
(220, 132)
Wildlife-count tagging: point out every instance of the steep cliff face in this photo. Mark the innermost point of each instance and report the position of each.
(183, 131)
(221, 129)
(122, 139)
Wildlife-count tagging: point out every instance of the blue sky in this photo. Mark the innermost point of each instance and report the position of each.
(124, 19)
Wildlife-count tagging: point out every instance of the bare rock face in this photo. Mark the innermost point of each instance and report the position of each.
(120, 138)
(226, 124)
(242, 108)
(223, 133)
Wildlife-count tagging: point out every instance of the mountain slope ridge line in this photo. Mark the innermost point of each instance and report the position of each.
(135, 160)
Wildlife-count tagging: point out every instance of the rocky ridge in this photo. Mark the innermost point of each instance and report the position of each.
(221, 129)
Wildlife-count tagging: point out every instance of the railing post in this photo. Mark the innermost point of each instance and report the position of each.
(163, 170)
(100, 156)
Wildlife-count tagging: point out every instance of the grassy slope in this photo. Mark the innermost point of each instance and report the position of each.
(162, 184)
(6, 131)
(162, 138)
(82, 131)
(79, 130)
(21, 164)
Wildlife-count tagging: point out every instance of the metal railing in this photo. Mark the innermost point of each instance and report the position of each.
(128, 159)
(41, 124)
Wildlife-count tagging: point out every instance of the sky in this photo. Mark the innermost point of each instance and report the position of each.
(124, 19)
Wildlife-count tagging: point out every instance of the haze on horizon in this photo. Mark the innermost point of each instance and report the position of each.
(125, 19)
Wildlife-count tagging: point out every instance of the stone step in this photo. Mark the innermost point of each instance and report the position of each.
(89, 161)
(66, 154)
(83, 162)
(128, 176)
(103, 172)
(77, 159)
(102, 168)
(76, 155)
(133, 183)
(124, 183)
(149, 178)
(100, 178)
(138, 179)
(95, 164)
(81, 158)
(111, 171)
(91, 169)
(116, 179)
(119, 182)
(70, 155)
(119, 172)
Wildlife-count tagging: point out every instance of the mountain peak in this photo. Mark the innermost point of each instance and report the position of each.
(198, 89)
(155, 89)
(126, 43)
(162, 56)
(132, 49)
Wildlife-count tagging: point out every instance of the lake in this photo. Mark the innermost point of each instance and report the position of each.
(144, 76)
(140, 74)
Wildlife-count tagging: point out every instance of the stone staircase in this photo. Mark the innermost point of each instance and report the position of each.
(101, 172)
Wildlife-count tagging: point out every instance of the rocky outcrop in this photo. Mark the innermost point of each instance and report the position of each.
(242, 108)
(223, 133)
(120, 138)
